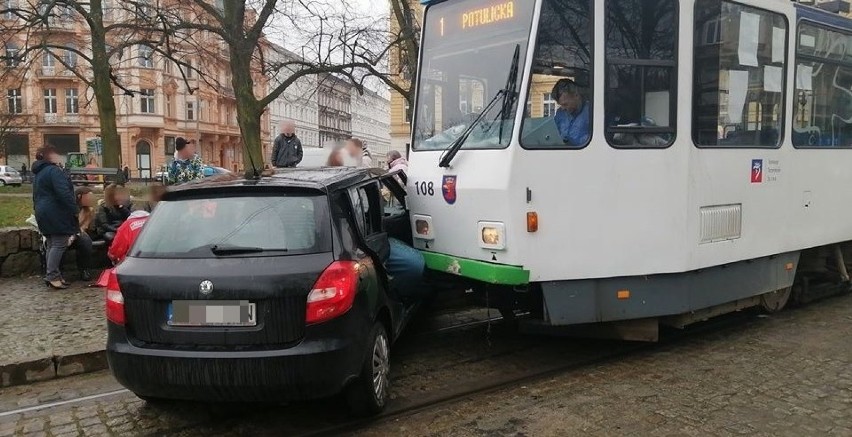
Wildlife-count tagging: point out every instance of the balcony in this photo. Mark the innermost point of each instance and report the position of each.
(53, 72)
(51, 118)
(71, 119)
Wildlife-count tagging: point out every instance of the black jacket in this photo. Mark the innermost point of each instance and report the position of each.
(53, 200)
(287, 151)
(108, 219)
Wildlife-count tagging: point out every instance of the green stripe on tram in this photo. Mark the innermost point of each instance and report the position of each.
(479, 270)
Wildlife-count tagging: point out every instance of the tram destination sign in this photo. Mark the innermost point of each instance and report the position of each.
(473, 16)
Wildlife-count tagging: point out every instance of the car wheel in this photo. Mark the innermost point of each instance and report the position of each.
(368, 394)
(2, 183)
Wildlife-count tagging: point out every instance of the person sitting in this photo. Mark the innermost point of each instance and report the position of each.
(126, 235)
(572, 116)
(155, 193)
(114, 211)
(82, 241)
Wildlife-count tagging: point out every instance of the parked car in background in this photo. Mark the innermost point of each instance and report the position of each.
(208, 170)
(262, 290)
(10, 176)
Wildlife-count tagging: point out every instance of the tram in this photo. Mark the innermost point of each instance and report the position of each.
(626, 164)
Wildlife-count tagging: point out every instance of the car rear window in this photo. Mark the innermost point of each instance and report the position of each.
(272, 225)
(11, 171)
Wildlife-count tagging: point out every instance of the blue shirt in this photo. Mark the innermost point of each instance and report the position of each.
(574, 128)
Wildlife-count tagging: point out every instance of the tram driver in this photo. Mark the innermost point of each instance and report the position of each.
(572, 116)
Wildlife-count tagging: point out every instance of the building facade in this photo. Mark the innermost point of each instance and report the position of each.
(47, 103)
(335, 110)
(371, 123)
(400, 124)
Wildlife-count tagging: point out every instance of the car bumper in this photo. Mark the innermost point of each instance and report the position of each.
(320, 365)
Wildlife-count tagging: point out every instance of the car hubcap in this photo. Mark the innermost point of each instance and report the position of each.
(381, 367)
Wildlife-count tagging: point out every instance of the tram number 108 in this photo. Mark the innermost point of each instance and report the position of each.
(425, 188)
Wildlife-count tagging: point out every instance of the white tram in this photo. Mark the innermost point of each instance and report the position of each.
(713, 174)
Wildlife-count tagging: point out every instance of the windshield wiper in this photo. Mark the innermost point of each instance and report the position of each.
(229, 249)
(508, 95)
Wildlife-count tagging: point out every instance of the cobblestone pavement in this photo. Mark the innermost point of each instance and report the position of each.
(37, 323)
(788, 374)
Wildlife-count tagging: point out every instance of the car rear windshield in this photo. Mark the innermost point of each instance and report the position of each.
(238, 226)
(11, 171)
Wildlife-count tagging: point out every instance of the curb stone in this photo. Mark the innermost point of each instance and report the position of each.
(43, 369)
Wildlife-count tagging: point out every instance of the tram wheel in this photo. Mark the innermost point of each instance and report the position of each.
(775, 301)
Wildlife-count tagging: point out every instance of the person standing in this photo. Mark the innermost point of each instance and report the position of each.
(55, 211)
(187, 165)
(126, 172)
(287, 149)
(359, 153)
(24, 171)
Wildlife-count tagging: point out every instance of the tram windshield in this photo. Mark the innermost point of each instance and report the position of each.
(467, 54)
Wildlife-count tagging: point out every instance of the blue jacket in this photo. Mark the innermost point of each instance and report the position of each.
(53, 200)
(574, 128)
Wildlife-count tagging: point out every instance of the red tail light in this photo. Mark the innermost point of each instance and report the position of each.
(334, 292)
(114, 300)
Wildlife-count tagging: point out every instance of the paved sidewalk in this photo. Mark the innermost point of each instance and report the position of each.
(45, 334)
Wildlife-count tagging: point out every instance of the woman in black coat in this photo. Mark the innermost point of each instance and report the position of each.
(55, 211)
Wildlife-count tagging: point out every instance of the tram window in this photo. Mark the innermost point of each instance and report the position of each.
(739, 69)
(561, 78)
(641, 82)
(822, 104)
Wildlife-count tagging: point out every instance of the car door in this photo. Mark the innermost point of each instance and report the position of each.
(395, 220)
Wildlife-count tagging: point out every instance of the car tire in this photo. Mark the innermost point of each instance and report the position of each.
(154, 401)
(368, 394)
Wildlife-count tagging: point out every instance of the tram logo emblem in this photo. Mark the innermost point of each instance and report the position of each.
(756, 171)
(448, 188)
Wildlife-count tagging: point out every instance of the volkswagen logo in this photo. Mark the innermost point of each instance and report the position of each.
(206, 287)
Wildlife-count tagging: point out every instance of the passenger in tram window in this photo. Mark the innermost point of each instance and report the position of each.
(572, 116)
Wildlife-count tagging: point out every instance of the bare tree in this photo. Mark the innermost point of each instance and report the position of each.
(405, 40)
(332, 39)
(42, 28)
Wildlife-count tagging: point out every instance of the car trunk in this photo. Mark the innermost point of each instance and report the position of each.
(277, 286)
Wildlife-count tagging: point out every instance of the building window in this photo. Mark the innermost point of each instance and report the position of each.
(13, 55)
(48, 60)
(188, 69)
(548, 105)
(70, 56)
(641, 58)
(50, 103)
(168, 105)
(821, 102)
(190, 111)
(167, 66)
(738, 82)
(146, 101)
(9, 9)
(71, 101)
(169, 146)
(146, 56)
(15, 101)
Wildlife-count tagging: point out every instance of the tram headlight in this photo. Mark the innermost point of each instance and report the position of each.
(492, 235)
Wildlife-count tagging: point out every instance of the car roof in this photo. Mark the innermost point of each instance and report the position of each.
(323, 179)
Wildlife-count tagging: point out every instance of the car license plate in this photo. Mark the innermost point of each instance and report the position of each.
(212, 313)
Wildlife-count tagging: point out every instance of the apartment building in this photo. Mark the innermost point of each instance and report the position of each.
(298, 102)
(47, 103)
(371, 123)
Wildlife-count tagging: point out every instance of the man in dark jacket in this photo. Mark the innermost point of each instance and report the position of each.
(55, 208)
(287, 150)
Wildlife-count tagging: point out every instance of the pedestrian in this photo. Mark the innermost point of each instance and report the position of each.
(336, 157)
(359, 152)
(155, 193)
(126, 172)
(287, 149)
(114, 211)
(55, 211)
(396, 162)
(24, 171)
(86, 202)
(187, 165)
(126, 235)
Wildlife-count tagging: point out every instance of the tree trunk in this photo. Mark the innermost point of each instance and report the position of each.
(249, 111)
(102, 88)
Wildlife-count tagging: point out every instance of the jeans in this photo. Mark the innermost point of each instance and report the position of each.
(56, 246)
(83, 246)
(405, 266)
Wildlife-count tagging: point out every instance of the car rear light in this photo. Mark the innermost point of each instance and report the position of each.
(114, 300)
(334, 292)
